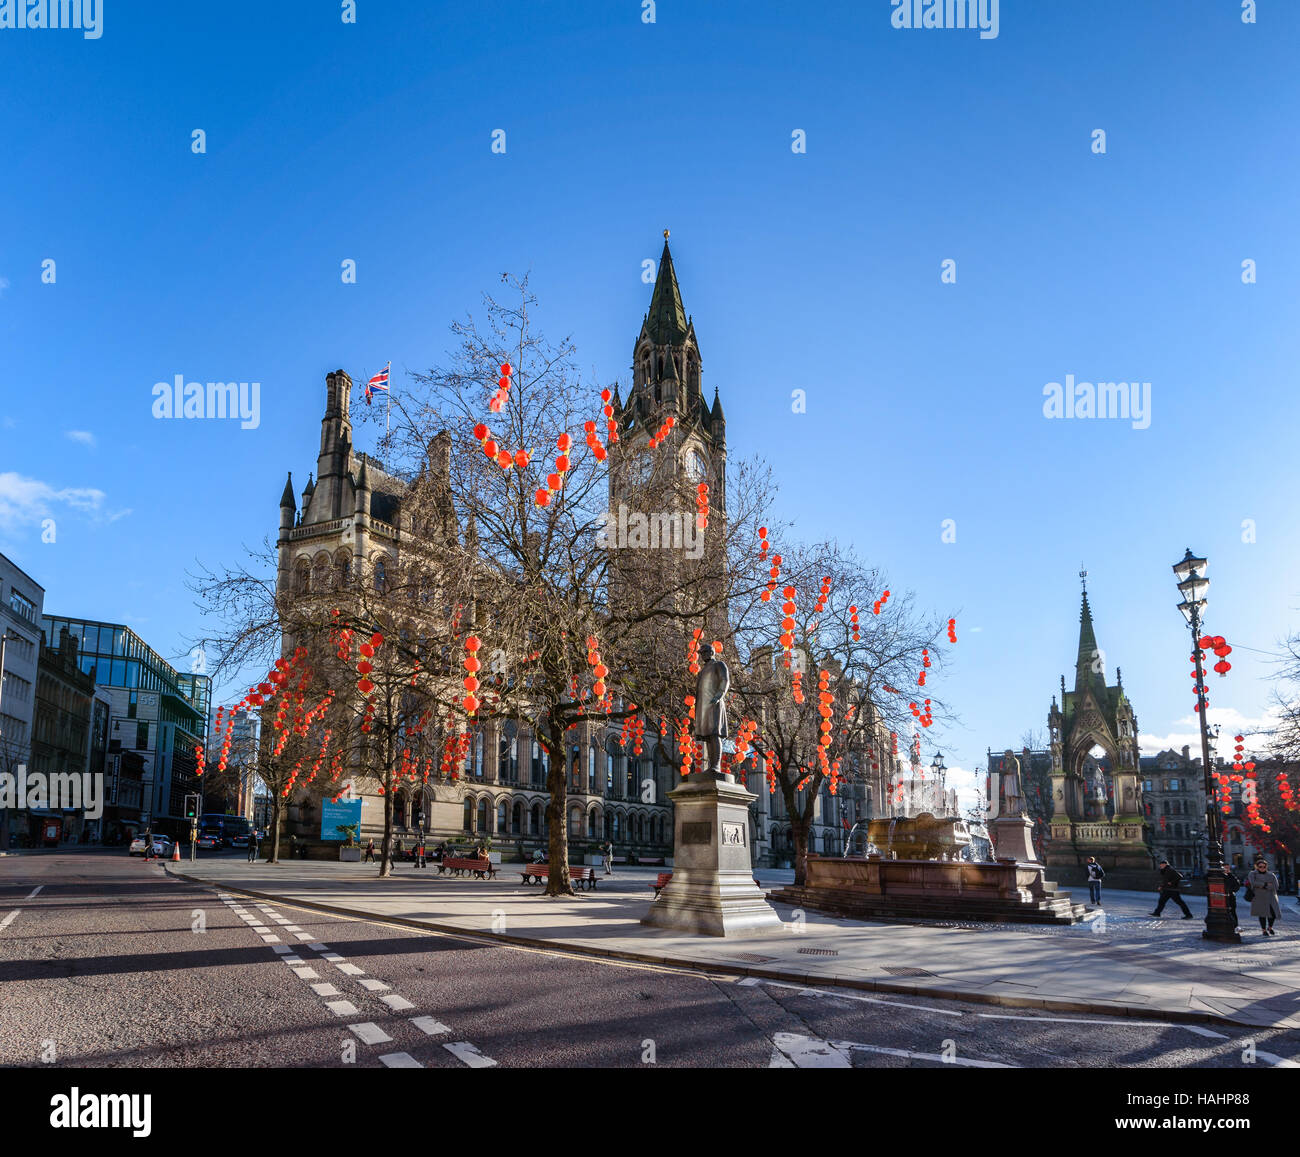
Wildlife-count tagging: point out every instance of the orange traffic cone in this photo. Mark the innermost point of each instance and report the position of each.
(176, 853)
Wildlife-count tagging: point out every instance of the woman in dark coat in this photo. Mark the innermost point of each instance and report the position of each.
(1264, 902)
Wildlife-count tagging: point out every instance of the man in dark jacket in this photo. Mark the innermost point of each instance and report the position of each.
(1170, 878)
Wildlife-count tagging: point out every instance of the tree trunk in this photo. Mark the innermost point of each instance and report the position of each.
(557, 783)
(277, 814)
(386, 856)
(799, 829)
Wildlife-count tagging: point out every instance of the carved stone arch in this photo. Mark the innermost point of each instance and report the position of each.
(320, 571)
(301, 582)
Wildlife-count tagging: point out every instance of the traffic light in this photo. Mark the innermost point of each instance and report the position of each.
(191, 807)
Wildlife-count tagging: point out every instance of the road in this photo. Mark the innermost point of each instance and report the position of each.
(106, 961)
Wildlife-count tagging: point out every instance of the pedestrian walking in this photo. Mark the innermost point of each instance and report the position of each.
(370, 851)
(1096, 873)
(609, 857)
(1170, 878)
(419, 854)
(1231, 885)
(1261, 891)
(252, 846)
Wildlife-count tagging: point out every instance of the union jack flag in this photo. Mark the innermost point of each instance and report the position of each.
(378, 382)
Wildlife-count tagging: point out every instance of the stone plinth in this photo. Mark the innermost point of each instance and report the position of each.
(712, 890)
(1118, 845)
(1013, 839)
(942, 889)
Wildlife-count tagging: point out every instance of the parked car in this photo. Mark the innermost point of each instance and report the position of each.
(239, 842)
(209, 840)
(162, 846)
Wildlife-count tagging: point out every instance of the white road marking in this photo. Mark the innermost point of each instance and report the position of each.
(1205, 1032)
(400, 1061)
(780, 1060)
(372, 984)
(291, 959)
(9, 919)
(341, 1007)
(324, 990)
(281, 948)
(1074, 1020)
(427, 1024)
(845, 995)
(315, 946)
(32, 894)
(306, 973)
(292, 928)
(466, 1052)
(305, 936)
(370, 1034)
(1278, 1062)
(260, 928)
(332, 957)
(350, 969)
(397, 1003)
(805, 1052)
(271, 938)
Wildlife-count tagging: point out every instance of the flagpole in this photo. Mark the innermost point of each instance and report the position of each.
(388, 406)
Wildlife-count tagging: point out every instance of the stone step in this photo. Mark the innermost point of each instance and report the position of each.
(1045, 911)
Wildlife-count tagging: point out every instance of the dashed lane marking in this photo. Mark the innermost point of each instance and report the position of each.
(33, 893)
(369, 1033)
(316, 945)
(397, 1003)
(1206, 1032)
(373, 985)
(306, 973)
(324, 989)
(467, 1053)
(270, 938)
(430, 1026)
(9, 919)
(341, 1007)
(400, 1061)
(280, 948)
(350, 969)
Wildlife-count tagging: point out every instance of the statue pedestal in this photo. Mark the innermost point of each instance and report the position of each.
(1013, 839)
(712, 891)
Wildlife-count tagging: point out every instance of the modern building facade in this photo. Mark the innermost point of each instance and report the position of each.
(156, 712)
(22, 602)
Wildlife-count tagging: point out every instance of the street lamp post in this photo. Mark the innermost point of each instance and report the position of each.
(1192, 585)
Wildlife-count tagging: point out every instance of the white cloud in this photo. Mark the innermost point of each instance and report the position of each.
(85, 437)
(1230, 722)
(25, 501)
(974, 630)
(4, 284)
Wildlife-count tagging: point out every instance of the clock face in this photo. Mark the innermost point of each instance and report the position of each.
(695, 465)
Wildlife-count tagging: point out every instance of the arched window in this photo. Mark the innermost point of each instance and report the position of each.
(539, 820)
(609, 825)
(617, 827)
(482, 815)
(508, 753)
(575, 821)
(609, 771)
(381, 577)
(501, 818)
(469, 815)
(399, 809)
(342, 569)
(575, 768)
(591, 824)
(541, 764)
(631, 788)
(593, 769)
(301, 576)
(517, 819)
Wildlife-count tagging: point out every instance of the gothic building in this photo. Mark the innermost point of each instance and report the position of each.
(1096, 801)
(351, 524)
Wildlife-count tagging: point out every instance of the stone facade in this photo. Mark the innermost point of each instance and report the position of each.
(351, 522)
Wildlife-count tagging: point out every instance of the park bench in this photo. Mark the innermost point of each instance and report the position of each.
(661, 882)
(483, 869)
(537, 873)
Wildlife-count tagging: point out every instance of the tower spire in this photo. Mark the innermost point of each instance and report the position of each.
(666, 323)
(1089, 652)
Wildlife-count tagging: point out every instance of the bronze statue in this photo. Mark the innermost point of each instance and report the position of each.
(711, 686)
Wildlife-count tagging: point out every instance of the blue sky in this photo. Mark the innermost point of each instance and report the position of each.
(817, 271)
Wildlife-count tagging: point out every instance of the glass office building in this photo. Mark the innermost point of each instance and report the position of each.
(158, 711)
